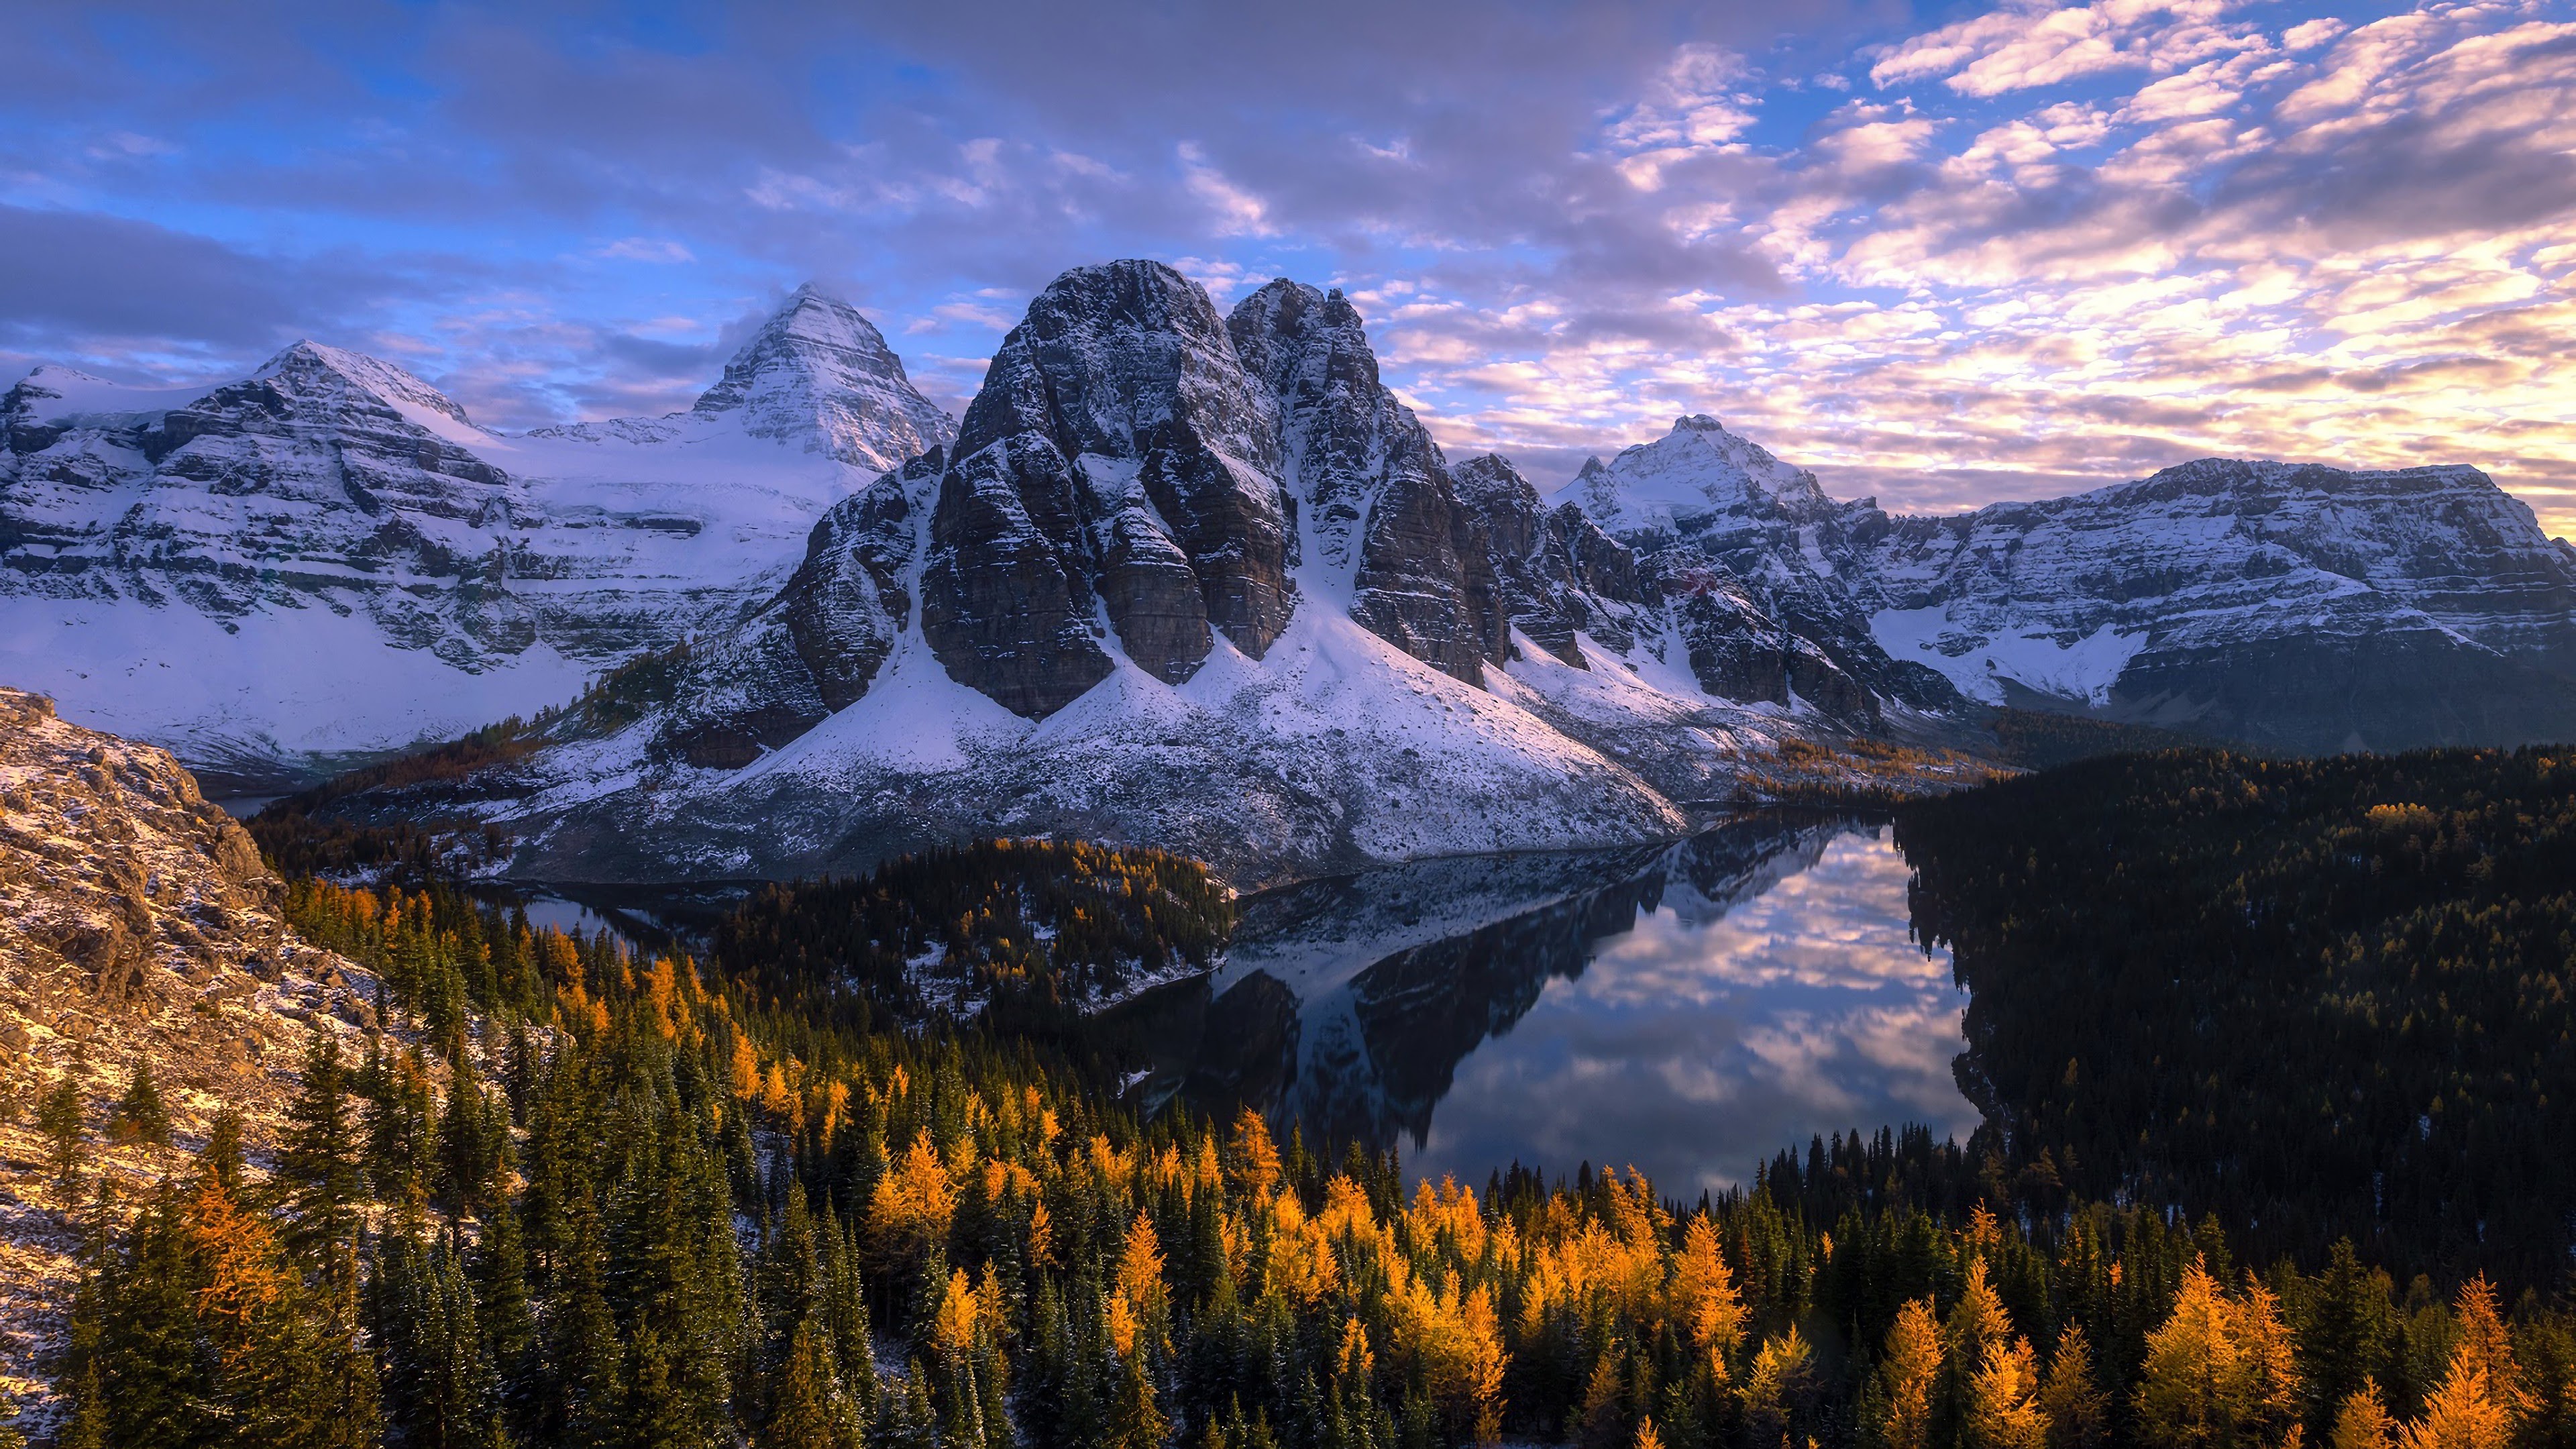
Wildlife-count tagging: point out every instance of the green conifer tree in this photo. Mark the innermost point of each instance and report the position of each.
(140, 1115)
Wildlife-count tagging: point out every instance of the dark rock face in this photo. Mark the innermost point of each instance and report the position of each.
(1135, 462)
(1769, 578)
(1738, 652)
(1118, 465)
(1380, 507)
(1555, 572)
(815, 647)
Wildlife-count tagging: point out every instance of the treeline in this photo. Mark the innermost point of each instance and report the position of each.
(1018, 931)
(641, 1206)
(2322, 998)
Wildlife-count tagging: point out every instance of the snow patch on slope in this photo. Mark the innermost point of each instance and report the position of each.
(2081, 667)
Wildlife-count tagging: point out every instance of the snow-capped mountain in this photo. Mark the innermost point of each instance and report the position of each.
(1180, 576)
(329, 558)
(1200, 580)
(2299, 608)
(816, 378)
(1184, 577)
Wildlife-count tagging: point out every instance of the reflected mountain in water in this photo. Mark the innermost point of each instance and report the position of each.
(1689, 1009)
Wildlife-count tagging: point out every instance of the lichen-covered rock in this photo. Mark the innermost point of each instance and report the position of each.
(138, 927)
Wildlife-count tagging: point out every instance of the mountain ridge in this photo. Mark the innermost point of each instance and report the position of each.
(1196, 577)
(328, 559)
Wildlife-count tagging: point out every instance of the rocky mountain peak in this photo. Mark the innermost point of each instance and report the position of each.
(820, 374)
(1117, 466)
(1382, 526)
(1129, 351)
(321, 373)
(1693, 476)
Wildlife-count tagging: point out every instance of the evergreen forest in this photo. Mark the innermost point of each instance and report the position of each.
(583, 1195)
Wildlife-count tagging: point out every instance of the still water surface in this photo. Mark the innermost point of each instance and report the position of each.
(1689, 1011)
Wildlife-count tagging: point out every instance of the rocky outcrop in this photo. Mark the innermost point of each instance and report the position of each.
(138, 928)
(1382, 516)
(1118, 465)
(1556, 573)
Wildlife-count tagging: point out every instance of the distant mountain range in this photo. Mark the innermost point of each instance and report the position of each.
(328, 560)
(1179, 575)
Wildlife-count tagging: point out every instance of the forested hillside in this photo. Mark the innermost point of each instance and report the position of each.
(2323, 998)
(617, 1200)
(1017, 930)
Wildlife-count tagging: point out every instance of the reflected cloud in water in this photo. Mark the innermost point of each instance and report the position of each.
(1689, 1012)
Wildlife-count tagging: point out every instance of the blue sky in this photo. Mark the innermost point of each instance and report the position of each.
(1942, 254)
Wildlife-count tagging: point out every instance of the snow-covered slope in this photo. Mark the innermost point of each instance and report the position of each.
(328, 558)
(1185, 578)
(2296, 607)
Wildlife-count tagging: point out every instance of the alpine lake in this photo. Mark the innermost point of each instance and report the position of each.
(1687, 1010)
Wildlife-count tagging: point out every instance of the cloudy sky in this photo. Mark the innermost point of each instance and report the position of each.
(1944, 254)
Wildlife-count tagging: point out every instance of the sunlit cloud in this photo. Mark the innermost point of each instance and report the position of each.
(2037, 248)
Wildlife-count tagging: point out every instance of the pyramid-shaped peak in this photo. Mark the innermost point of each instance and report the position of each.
(818, 373)
(1697, 470)
(817, 313)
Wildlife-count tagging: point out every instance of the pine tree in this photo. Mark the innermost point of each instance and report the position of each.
(583, 1348)
(223, 1151)
(440, 1387)
(400, 1142)
(812, 1412)
(317, 1160)
(2218, 1373)
(506, 1313)
(2347, 1327)
(2002, 1409)
(1909, 1369)
(2072, 1400)
(140, 1115)
(60, 1114)
(2361, 1421)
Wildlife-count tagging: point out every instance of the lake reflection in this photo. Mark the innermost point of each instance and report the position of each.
(1689, 1011)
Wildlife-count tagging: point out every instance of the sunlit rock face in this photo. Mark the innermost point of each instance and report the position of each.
(329, 558)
